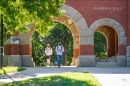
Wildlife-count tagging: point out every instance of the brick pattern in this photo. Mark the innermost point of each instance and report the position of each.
(7, 49)
(14, 49)
(122, 50)
(86, 50)
(25, 49)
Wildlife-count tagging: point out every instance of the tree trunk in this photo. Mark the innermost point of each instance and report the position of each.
(64, 59)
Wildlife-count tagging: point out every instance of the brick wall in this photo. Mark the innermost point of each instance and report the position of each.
(14, 49)
(7, 49)
(86, 50)
(85, 7)
(25, 49)
(88, 9)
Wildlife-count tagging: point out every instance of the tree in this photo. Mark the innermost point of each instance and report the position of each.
(19, 13)
(100, 45)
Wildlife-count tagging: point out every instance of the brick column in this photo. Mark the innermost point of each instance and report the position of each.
(14, 43)
(14, 59)
(128, 23)
(121, 58)
(75, 51)
(86, 57)
(128, 48)
(128, 56)
(25, 50)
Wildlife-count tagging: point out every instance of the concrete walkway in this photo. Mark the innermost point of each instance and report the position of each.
(108, 76)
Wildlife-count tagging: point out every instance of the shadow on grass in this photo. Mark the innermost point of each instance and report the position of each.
(4, 71)
(4, 74)
(50, 81)
(21, 69)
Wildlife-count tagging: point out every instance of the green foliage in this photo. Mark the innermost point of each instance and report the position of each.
(18, 13)
(100, 45)
(65, 79)
(60, 33)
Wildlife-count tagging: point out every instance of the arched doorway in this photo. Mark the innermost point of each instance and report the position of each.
(75, 33)
(78, 26)
(120, 39)
(111, 41)
(59, 33)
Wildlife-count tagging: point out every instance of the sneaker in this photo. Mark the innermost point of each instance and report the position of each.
(59, 66)
(48, 65)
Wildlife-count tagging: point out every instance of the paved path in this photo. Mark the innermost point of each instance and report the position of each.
(108, 76)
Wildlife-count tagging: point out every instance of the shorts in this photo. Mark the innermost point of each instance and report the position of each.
(48, 57)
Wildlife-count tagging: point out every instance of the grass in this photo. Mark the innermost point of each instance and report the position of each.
(65, 79)
(6, 70)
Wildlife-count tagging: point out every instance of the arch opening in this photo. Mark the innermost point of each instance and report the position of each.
(68, 22)
(100, 45)
(59, 33)
(111, 41)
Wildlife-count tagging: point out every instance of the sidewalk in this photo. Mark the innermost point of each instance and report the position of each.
(108, 76)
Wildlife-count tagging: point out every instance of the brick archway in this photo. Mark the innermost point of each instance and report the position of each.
(115, 25)
(75, 33)
(78, 27)
(79, 22)
(112, 40)
(122, 39)
(74, 30)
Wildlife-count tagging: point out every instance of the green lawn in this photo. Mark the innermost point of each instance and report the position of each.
(5, 70)
(65, 79)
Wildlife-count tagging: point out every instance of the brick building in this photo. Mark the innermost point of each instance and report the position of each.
(83, 18)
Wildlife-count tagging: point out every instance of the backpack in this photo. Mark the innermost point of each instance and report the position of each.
(58, 47)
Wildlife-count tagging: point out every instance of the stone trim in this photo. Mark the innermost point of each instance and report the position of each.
(18, 60)
(121, 61)
(128, 56)
(86, 61)
(78, 20)
(14, 60)
(27, 61)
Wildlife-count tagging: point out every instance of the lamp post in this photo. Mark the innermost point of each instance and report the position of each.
(1, 65)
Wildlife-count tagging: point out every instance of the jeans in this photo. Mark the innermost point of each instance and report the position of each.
(59, 58)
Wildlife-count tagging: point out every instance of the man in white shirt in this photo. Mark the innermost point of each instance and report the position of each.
(59, 51)
(48, 52)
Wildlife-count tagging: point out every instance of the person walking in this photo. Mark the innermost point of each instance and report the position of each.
(48, 52)
(59, 52)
